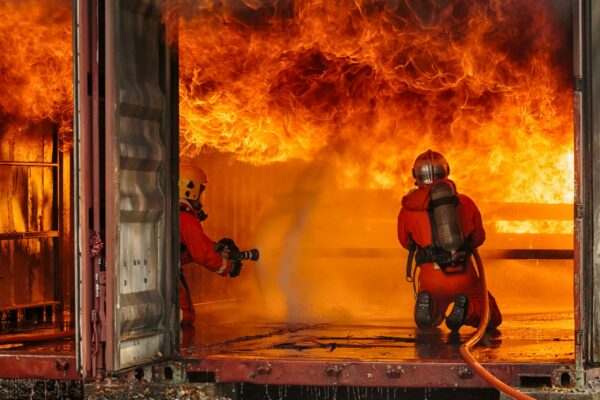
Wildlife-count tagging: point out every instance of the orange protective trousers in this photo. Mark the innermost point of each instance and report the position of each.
(444, 288)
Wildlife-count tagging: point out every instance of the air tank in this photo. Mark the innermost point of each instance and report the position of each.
(445, 213)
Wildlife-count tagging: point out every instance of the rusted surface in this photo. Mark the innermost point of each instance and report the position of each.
(39, 366)
(589, 282)
(373, 374)
(86, 182)
(37, 350)
(391, 354)
(48, 360)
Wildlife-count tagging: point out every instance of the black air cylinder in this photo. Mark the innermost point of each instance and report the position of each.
(445, 212)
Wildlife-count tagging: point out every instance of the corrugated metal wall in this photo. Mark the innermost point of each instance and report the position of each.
(138, 171)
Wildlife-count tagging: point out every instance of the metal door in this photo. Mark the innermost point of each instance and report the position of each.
(127, 168)
(587, 196)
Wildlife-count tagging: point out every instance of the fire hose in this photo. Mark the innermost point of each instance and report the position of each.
(466, 347)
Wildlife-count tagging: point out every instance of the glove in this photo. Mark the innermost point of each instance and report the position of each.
(236, 268)
(224, 245)
(227, 248)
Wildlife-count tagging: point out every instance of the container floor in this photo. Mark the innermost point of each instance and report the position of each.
(535, 347)
(529, 350)
(530, 338)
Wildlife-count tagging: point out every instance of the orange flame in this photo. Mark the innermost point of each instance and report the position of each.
(358, 89)
(36, 65)
(371, 84)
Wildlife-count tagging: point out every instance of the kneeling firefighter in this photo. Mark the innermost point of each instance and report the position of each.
(222, 257)
(441, 228)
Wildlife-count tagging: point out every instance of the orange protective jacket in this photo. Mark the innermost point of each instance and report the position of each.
(413, 221)
(196, 247)
(414, 227)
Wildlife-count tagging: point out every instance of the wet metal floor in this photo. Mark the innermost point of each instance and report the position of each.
(533, 347)
(531, 338)
(374, 354)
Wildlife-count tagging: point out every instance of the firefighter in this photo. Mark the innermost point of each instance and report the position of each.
(441, 228)
(195, 245)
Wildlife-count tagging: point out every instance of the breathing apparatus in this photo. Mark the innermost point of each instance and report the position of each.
(448, 250)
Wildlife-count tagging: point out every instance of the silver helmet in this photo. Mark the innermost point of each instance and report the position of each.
(428, 167)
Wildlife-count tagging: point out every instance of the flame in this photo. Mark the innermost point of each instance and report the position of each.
(36, 66)
(371, 84)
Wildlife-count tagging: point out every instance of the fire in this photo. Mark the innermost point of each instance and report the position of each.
(36, 65)
(355, 90)
(370, 84)
(555, 227)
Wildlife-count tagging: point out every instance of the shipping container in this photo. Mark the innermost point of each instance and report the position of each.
(89, 242)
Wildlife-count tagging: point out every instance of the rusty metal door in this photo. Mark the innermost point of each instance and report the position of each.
(587, 197)
(127, 167)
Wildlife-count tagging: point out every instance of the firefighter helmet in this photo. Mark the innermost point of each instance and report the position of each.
(428, 167)
(191, 180)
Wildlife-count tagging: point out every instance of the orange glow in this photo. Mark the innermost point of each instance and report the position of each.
(368, 85)
(315, 110)
(552, 227)
(36, 71)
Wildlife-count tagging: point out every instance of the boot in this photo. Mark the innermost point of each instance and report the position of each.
(423, 310)
(457, 316)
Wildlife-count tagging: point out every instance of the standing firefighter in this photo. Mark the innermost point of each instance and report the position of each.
(441, 228)
(195, 245)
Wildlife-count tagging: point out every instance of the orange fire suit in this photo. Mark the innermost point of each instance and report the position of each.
(196, 247)
(414, 227)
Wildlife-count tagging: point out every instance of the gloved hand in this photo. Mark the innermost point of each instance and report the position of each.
(224, 245)
(227, 248)
(236, 268)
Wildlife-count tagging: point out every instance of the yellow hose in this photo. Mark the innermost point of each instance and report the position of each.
(466, 347)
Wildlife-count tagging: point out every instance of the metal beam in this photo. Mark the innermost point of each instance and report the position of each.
(371, 374)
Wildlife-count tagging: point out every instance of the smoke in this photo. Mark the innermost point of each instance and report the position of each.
(311, 271)
(535, 286)
(332, 255)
